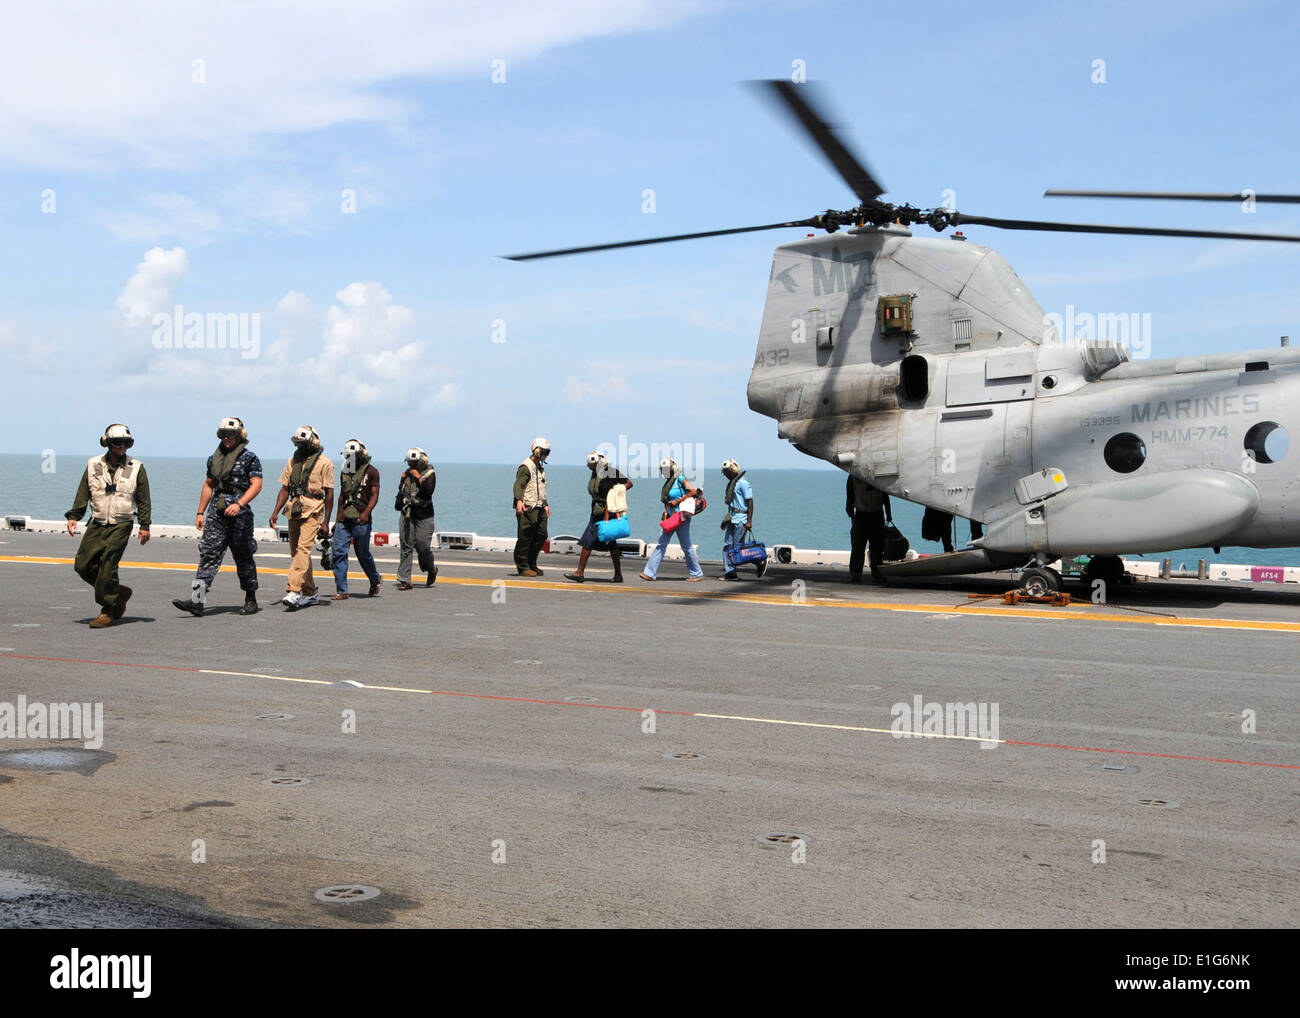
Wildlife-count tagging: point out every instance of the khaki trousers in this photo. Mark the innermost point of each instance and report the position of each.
(302, 537)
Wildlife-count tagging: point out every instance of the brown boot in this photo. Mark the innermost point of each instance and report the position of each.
(123, 596)
(101, 621)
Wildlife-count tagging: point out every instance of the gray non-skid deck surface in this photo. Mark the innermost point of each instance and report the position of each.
(596, 822)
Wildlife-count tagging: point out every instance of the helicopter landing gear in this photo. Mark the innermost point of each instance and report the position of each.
(1040, 581)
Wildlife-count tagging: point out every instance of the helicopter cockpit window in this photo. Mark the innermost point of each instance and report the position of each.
(1267, 441)
(914, 379)
(1125, 452)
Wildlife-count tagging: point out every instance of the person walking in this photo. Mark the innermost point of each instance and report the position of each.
(116, 488)
(739, 518)
(604, 477)
(415, 530)
(358, 493)
(531, 508)
(676, 489)
(225, 521)
(307, 485)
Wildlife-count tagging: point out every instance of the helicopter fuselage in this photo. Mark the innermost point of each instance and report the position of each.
(925, 367)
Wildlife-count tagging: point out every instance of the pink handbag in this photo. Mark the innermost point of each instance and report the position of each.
(672, 523)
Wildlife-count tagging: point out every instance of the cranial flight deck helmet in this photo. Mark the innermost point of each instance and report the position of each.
(669, 468)
(232, 427)
(730, 468)
(416, 457)
(306, 438)
(542, 444)
(354, 451)
(116, 433)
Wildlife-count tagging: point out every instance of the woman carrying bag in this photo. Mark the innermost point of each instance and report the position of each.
(608, 523)
(676, 490)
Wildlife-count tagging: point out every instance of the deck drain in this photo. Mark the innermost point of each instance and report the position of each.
(1227, 715)
(27, 625)
(865, 687)
(83, 761)
(276, 717)
(526, 661)
(1153, 803)
(1114, 768)
(346, 894)
(582, 699)
(683, 756)
(780, 838)
(287, 781)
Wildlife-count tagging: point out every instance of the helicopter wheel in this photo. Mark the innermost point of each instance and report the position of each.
(1039, 581)
(1107, 568)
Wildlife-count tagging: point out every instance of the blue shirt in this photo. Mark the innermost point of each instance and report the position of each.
(739, 509)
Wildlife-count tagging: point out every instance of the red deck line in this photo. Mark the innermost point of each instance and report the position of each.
(1136, 752)
(657, 710)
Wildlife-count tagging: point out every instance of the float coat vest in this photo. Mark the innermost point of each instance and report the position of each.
(535, 489)
(352, 491)
(118, 505)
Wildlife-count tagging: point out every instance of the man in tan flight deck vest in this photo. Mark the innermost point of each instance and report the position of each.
(116, 488)
(307, 484)
(531, 508)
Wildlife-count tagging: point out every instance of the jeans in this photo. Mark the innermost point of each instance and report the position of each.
(357, 534)
(731, 537)
(683, 535)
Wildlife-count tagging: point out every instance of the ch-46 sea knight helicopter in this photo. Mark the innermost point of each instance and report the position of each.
(926, 368)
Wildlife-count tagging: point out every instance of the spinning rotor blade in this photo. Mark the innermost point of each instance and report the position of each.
(960, 219)
(655, 240)
(855, 174)
(1287, 199)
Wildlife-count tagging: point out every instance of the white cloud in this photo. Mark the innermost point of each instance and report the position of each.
(164, 215)
(295, 303)
(150, 289)
(363, 352)
(608, 387)
(105, 84)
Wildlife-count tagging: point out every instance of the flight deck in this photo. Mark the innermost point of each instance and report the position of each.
(790, 751)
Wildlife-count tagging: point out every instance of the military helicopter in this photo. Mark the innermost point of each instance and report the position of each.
(925, 367)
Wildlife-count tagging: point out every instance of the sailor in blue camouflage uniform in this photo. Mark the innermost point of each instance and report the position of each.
(234, 479)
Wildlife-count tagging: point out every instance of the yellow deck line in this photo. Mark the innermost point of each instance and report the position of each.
(1075, 613)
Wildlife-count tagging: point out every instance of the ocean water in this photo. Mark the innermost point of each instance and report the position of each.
(800, 507)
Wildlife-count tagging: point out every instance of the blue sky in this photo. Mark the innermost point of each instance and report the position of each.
(225, 195)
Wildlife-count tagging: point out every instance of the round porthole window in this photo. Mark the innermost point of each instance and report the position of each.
(1125, 452)
(1268, 441)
